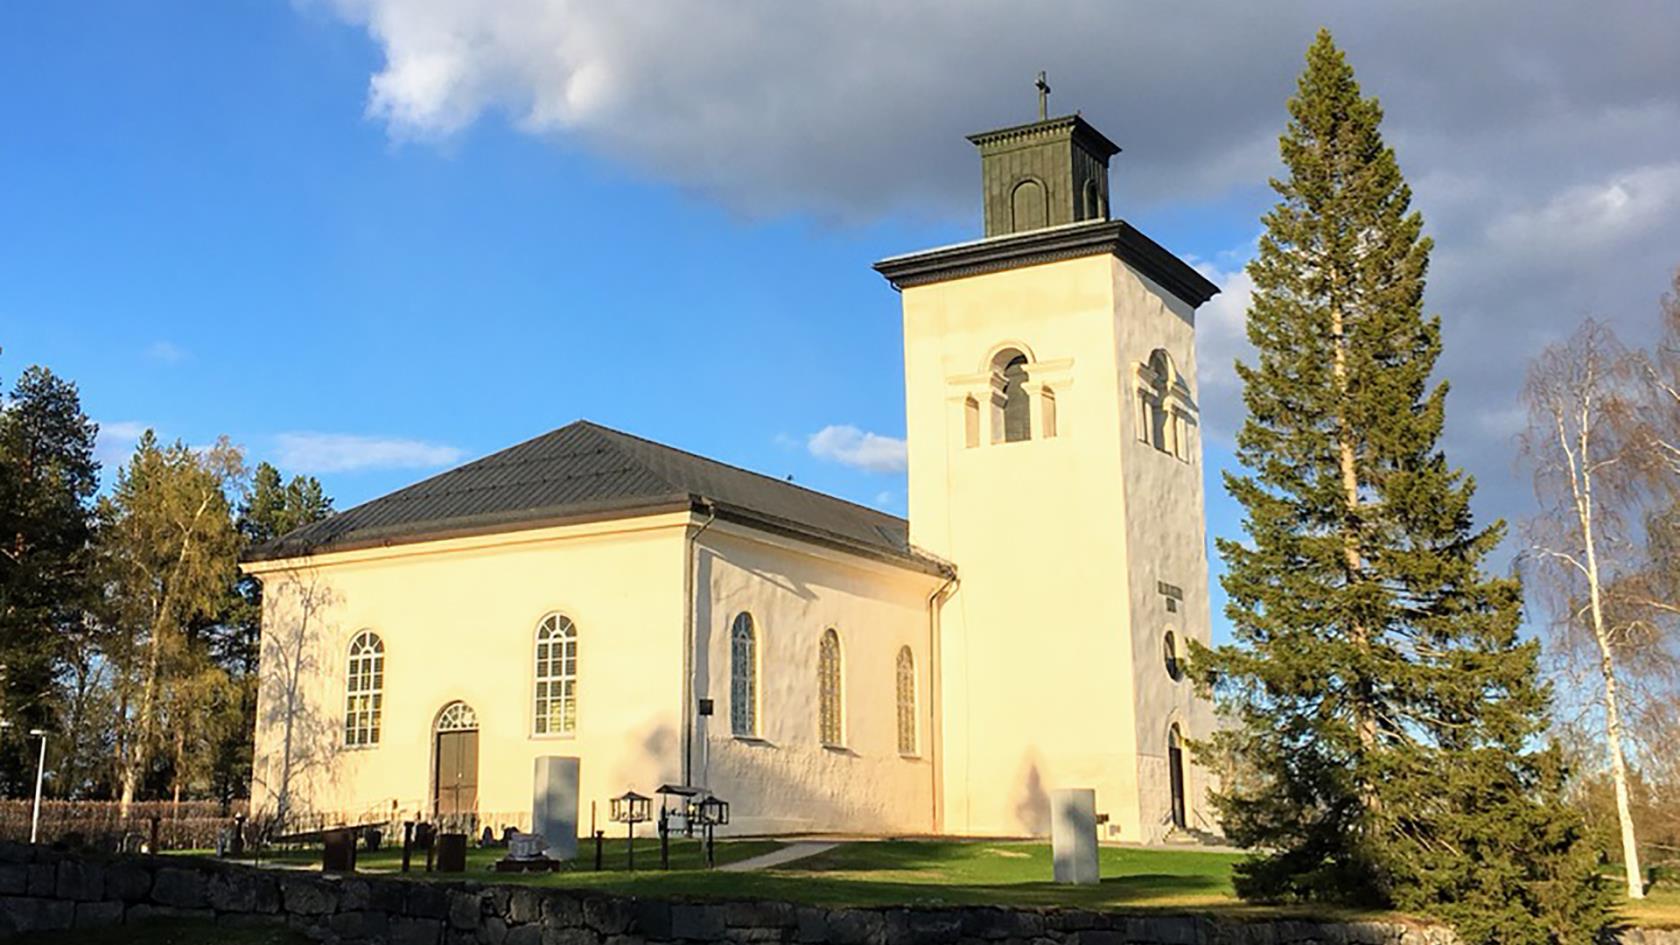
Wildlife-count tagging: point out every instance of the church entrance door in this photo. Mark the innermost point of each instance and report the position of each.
(1175, 776)
(455, 771)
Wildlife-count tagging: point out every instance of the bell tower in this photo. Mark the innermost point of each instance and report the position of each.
(1054, 459)
(1048, 173)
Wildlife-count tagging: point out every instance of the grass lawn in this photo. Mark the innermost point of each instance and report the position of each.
(1660, 908)
(932, 872)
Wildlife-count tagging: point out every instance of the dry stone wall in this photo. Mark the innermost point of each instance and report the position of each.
(44, 891)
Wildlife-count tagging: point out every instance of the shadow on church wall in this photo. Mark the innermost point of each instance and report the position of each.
(297, 737)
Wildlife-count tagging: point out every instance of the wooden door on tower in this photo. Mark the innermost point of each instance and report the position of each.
(456, 772)
(1175, 776)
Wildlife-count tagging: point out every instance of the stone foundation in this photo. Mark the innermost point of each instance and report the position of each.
(41, 890)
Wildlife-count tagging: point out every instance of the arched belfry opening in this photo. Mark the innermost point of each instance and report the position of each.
(1012, 420)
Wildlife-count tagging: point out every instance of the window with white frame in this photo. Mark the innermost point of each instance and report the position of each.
(556, 677)
(364, 690)
(743, 676)
(906, 702)
(830, 723)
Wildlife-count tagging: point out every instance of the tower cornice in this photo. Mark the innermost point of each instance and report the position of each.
(1074, 126)
(1052, 244)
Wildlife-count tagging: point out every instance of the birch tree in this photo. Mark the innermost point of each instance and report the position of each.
(1582, 399)
(168, 548)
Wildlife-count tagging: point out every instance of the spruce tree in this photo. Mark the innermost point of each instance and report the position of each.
(1378, 691)
(47, 480)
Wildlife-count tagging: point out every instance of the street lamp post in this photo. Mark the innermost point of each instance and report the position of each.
(40, 773)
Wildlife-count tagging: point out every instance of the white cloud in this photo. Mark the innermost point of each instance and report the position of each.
(850, 109)
(166, 352)
(116, 440)
(1594, 217)
(1221, 339)
(846, 444)
(348, 452)
(122, 429)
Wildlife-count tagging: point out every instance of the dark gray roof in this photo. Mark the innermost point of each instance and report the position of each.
(582, 472)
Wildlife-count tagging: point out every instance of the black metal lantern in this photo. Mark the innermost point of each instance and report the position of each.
(709, 811)
(631, 808)
(712, 811)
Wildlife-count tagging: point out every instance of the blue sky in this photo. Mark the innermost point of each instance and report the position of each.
(369, 238)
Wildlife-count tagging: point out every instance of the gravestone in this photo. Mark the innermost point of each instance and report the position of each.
(1073, 835)
(554, 805)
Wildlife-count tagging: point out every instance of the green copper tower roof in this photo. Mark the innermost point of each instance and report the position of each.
(1051, 172)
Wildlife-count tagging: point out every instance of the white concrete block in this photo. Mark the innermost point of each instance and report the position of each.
(554, 805)
(1073, 835)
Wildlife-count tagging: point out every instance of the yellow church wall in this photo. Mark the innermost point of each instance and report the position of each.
(458, 619)
(783, 779)
(1038, 681)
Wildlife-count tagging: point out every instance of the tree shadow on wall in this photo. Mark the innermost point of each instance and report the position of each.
(300, 742)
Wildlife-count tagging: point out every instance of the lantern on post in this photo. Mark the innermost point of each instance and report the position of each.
(709, 812)
(631, 809)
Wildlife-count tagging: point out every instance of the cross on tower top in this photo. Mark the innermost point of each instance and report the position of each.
(1043, 87)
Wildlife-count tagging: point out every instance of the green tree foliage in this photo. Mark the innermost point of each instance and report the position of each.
(168, 549)
(47, 480)
(1380, 693)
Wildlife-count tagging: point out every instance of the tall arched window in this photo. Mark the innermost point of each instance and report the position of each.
(1017, 410)
(555, 710)
(906, 702)
(1175, 664)
(1175, 775)
(830, 707)
(743, 676)
(364, 690)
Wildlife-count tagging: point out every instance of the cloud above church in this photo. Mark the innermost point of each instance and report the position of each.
(1540, 142)
(307, 452)
(850, 446)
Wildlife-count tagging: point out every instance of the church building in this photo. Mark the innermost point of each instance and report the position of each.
(652, 617)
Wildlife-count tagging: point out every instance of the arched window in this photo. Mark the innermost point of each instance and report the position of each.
(364, 690)
(906, 702)
(1094, 209)
(1157, 426)
(457, 717)
(1017, 411)
(1028, 209)
(555, 710)
(1175, 666)
(830, 710)
(743, 676)
(1175, 775)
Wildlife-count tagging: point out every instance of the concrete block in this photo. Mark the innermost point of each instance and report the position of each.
(554, 804)
(1073, 835)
